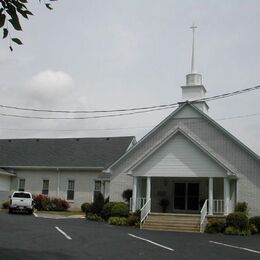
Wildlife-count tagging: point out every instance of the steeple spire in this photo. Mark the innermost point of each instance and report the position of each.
(194, 90)
(193, 27)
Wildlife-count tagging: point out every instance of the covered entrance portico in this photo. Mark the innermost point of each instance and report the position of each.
(184, 195)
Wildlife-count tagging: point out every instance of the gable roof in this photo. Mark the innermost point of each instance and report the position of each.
(202, 146)
(163, 122)
(64, 152)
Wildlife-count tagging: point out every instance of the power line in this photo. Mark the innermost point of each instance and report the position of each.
(117, 128)
(225, 95)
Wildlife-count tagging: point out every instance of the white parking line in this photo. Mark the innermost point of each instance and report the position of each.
(149, 241)
(237, 247)
(63, 233)
(35, 214)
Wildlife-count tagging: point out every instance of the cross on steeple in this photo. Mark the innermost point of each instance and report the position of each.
(193, 27)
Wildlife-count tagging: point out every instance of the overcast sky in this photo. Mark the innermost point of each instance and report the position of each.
(130, 53)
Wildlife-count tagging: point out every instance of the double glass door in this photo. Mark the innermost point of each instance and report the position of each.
(186, 196)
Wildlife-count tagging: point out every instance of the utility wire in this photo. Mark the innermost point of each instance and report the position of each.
(117, 128)
(225, 95)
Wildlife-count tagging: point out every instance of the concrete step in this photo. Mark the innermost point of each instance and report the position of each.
(172, 222)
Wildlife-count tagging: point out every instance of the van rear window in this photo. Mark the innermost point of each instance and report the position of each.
(21, 195)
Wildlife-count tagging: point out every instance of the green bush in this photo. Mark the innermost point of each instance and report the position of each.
(232, 231)
(6, 204)
(98, 204)
(42, 202)
(253, 229)
(133, 220)
(216, 226)
(120, 209)
(256, 221)
(106, 212)
(93, 217)
(238, 220)
(241, 207)
(119, 221)
(84, 206)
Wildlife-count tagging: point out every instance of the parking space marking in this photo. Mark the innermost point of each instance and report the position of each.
(149, 241)
(63, 233)
(237, 247)
(35, 214)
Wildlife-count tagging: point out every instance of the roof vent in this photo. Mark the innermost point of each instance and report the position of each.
(107, 138)
(9, 140)
(37, 140)
(77, 139)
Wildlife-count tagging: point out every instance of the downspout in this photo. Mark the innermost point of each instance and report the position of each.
(58, 183)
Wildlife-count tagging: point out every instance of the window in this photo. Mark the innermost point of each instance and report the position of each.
(70, 193)
(21, 186)
(21, 195)
(97, 189)
(45, 187)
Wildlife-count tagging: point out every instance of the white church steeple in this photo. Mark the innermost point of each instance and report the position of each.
(194, 89)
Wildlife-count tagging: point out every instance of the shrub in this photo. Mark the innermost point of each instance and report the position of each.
(232, 231)
(119, 221)
(216, 226)
(93, 217)
(98, 204)
(107, 200)
(238, 220)
(241, 207)
(106, 212)
(84, 206)
(6, 204)
(255, 221)
(253, 229)
(133, 220)
(127, 194)
(42, 202)
(120, 209)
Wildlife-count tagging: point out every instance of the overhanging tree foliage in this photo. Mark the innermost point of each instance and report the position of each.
(11, 11)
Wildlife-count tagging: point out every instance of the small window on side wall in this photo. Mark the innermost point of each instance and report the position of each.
(70, 192)
(45, 187)
(21, 186)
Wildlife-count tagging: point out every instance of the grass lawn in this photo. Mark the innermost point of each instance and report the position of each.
(61, 213)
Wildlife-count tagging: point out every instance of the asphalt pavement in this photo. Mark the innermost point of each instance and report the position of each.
(29, 237)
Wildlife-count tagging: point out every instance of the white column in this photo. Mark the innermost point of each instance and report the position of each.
(210, 212)
(226, 196)
(134, 194)
(148, 188)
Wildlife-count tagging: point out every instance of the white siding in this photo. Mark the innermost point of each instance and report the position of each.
(84, 183)
(179, 157)
(118, 185)
(5, 183)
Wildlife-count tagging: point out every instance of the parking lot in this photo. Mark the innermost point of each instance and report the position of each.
(30, 237)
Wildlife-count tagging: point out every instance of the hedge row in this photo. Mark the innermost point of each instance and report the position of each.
(115, 213)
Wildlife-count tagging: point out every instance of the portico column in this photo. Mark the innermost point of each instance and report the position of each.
(226, 196)
(210, 212)
(148, 188)
(134, 194)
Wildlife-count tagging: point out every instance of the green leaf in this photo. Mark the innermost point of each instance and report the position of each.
(16, 24)
(17, 41)
(5, 32)
(48, 6)
(2, 20)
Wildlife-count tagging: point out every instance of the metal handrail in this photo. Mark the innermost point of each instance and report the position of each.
(203, 214)
(145, 210)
